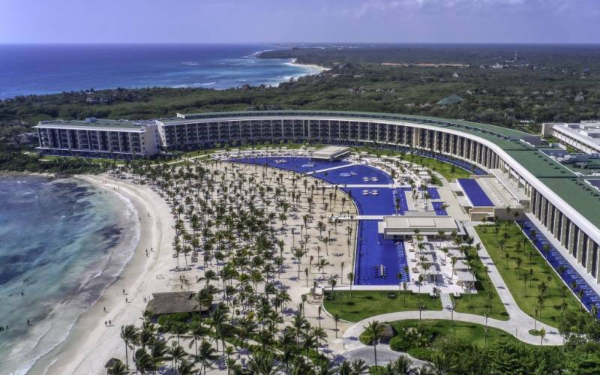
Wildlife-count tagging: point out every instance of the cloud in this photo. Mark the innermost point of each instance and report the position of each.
(362, 8)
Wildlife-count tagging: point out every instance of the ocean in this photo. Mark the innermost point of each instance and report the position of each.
(62, 243)
(46, 69)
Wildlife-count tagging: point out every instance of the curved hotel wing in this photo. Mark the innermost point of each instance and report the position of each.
(562, 201)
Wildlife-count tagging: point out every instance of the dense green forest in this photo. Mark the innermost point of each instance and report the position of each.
(542, 84)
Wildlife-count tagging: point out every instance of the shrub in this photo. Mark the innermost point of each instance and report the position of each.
(164, 320)
(421, 353)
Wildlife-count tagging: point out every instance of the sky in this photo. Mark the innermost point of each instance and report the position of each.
(290, 21)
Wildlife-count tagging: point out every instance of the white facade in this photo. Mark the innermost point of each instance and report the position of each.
(120, 139)
(584, 137)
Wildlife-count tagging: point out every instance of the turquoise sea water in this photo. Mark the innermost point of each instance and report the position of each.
(44, 69)
(62, 243)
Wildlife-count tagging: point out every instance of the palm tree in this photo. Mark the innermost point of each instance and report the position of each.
(203, 299)
(373, 330)
(351, 281)
(344, 368)
(263, 363)
(299, 253)
(143, 361)
(359, 366)
(118, 368)
(321, 266)
(128, 334)
(336, 319)
(177, 354)
(206, 355)
(401, 365)
(186, 368)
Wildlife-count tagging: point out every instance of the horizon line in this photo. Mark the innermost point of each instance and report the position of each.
(305, 43)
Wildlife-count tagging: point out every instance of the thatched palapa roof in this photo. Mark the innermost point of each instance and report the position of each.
(173, 303)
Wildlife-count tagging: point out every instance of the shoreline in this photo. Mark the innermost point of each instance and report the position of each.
(311, 66)
(80, 352)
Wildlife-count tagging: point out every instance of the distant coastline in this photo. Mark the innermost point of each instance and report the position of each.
(100, 67)
(316, 68)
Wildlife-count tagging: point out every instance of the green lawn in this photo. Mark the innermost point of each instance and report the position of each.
(479, 303)
(470, 332)
(91, 160)
(517, 246)
(365, 304)
(447, 170)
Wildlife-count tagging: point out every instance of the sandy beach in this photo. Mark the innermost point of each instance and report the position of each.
(91, 343)
(316, 68)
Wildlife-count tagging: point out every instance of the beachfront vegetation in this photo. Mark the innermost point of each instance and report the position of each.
(14, 160)
(467, 348)
(360, 305)
(538, 290)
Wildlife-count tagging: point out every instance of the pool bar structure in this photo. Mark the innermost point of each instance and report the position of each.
(560, 200)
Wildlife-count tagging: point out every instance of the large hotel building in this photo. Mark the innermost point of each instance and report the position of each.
(98, 138)
(562, 202)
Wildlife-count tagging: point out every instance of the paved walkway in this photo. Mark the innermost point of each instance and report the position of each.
(513, 327)
(332, 168)
(518, 325)
(446, 301)
(370, 186)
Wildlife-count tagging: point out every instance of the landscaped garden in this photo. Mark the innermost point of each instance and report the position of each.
(486, 300)
(416, 337)
(447, 170)
(360, 305)
(538, 290)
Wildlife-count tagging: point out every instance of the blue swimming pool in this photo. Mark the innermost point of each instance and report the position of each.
(433, 193)
(374, 201)
(439, 209)
(570, 276)
(475, 193)
(295, 164)
(378, 261)
(356, 175)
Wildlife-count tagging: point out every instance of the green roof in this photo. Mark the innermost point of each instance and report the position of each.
(464, 125)
(566, 184)
(99, 123)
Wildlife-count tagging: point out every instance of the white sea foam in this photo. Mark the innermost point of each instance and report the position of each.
(48, 333)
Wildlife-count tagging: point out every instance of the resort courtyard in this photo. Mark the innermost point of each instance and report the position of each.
(274, 242)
